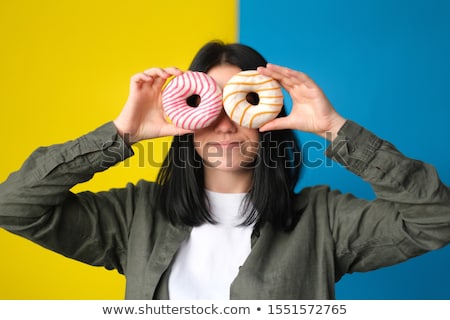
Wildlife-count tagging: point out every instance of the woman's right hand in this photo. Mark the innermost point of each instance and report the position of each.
(143, 117)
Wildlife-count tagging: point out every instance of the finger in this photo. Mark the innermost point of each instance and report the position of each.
(286, 81)
(295, 77)
(159, 82)
(173, 71)
(156, 72)
(284, 71)
(276, 124)
(153, 76)
(172, 130)
(141, 77)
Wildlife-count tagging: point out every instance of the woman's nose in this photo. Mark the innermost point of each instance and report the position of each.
(224, 124)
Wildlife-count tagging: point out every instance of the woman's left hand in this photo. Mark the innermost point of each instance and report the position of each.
(311, 110)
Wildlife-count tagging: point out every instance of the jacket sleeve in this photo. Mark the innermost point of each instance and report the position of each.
(411, 212)
(36, 201)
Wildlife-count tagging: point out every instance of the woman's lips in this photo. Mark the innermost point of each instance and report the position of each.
(224, 144)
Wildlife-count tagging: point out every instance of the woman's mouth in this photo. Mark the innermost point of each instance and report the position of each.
(225, 144)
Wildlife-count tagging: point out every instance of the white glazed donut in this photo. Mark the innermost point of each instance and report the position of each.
(192, 100)
(252, 99)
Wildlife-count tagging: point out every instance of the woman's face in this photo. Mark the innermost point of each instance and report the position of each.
(225, 145)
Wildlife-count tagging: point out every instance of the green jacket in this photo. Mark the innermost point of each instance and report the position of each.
(336, 234)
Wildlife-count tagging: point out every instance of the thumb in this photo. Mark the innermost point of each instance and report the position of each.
(172, 130)
(275, 124)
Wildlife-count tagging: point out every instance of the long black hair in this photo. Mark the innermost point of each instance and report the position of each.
(182, 196)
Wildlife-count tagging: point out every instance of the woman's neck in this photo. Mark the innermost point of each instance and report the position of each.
(228, 181)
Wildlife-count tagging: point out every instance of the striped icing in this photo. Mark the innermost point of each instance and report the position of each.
(180, 88)
(243, 112)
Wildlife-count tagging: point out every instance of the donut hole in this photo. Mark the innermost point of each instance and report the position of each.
(252, 98)
(194, 100)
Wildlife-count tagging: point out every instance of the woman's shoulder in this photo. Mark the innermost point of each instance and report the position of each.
(144, 188)
(146, 185)
(316, 201)
(139, 191)
(312, 193)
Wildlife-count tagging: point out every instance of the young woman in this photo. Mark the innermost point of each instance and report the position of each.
(227, 225)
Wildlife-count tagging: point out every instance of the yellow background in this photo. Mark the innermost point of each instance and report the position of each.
(64, 70)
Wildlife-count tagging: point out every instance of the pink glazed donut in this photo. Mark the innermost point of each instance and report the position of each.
(192, 100)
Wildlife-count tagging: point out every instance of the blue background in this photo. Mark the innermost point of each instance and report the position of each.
(386, 65)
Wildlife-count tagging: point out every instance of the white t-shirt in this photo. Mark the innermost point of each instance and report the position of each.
(209, 260)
